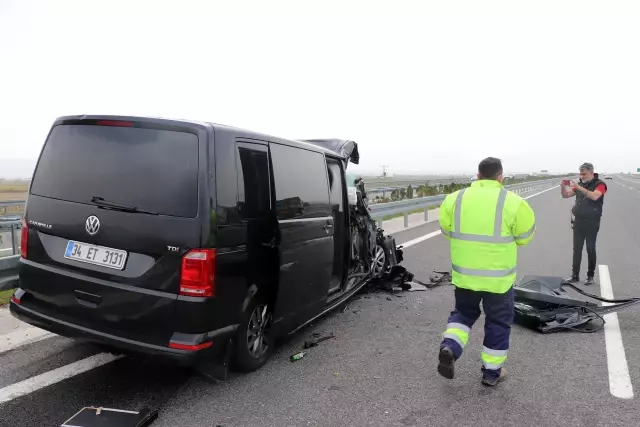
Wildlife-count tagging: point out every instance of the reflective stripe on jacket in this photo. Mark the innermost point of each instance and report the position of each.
(485, 224)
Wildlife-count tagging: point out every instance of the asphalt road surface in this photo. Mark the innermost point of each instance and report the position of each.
(380, 370)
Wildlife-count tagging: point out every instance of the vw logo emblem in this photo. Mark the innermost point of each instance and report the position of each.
(92, 225)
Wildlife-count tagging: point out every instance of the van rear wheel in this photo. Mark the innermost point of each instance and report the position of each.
(254, 343)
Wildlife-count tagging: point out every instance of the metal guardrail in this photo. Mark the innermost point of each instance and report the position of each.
(11, 208)
(9, 267)
(377, 186)
(11, 226)
(9, 264)
(380, 210)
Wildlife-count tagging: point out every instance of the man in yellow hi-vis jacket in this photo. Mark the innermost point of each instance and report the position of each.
(485, 224)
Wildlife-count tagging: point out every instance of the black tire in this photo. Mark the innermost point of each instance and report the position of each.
(243, 359)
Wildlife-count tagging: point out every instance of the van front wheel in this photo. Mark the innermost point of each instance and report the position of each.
(254, 343)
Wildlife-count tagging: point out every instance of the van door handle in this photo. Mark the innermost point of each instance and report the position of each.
(327, 227)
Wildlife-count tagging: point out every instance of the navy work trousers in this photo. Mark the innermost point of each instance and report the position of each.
(499, 313)
(585, 231)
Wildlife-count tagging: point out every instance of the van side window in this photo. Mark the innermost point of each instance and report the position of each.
(301, 185)
(253, 181)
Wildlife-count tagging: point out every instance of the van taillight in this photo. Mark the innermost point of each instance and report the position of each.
(197, 273)
(24, 239)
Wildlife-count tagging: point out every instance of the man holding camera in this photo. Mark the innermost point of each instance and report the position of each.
(587, 211)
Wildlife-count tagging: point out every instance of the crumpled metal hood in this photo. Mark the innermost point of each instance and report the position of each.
(345, 148)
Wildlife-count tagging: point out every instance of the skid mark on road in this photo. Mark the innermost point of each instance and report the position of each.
(619, 379)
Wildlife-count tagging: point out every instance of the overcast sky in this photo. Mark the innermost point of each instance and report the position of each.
(424, 87)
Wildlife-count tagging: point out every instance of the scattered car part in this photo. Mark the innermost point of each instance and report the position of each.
(441, 278)
(316, 341)
(108, 417)
(541, 303)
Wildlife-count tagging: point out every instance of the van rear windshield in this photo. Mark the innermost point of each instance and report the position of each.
(153, 170)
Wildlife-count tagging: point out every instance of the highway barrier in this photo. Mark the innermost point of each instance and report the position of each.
(407, 206)
(11, 208)
(9, 265)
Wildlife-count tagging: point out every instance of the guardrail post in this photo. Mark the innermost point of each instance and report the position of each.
(14, 240)
(426, 214)
(406, 219)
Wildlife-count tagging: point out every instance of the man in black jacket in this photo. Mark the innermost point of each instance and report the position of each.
(587, 211)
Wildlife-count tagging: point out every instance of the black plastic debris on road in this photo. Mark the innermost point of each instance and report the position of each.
(109, 417)
(543, 304)
(317, 340)
(400, 279)
(440, 278)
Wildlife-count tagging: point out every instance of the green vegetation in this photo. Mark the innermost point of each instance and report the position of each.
(421, 191)
(5, 296)
(13, 186)
(426, 190)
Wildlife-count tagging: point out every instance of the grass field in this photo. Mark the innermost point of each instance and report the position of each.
(13, 190)
(5, 197)
(5, 296)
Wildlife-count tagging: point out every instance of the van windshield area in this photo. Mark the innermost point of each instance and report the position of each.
(149, 169)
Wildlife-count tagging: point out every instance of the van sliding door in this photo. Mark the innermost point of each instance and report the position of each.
(306, 232)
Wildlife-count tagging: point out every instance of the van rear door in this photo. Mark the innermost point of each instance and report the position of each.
(113, 206)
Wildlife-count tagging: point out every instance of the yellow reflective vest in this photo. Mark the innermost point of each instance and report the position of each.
(485, 224)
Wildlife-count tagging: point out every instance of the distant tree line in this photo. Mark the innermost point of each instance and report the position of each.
(425, 190)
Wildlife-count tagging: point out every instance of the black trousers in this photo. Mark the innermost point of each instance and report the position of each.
(585, 231)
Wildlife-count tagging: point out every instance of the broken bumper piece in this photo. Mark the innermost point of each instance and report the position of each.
(543, 304)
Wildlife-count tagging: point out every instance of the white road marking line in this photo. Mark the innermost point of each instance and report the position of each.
(21, 337)
(48, 378)
(619, 379)
(629, 180)
(437, 232)
(543, 191)
(421, 239)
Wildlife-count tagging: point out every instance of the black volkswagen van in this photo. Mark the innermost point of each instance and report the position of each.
(185, 238)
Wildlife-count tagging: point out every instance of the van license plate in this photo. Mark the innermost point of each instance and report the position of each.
(97, 255)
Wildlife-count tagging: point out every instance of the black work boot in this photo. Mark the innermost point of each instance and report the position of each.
(573, 279)
(492, 382)
(447, 360)
(589, 280)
